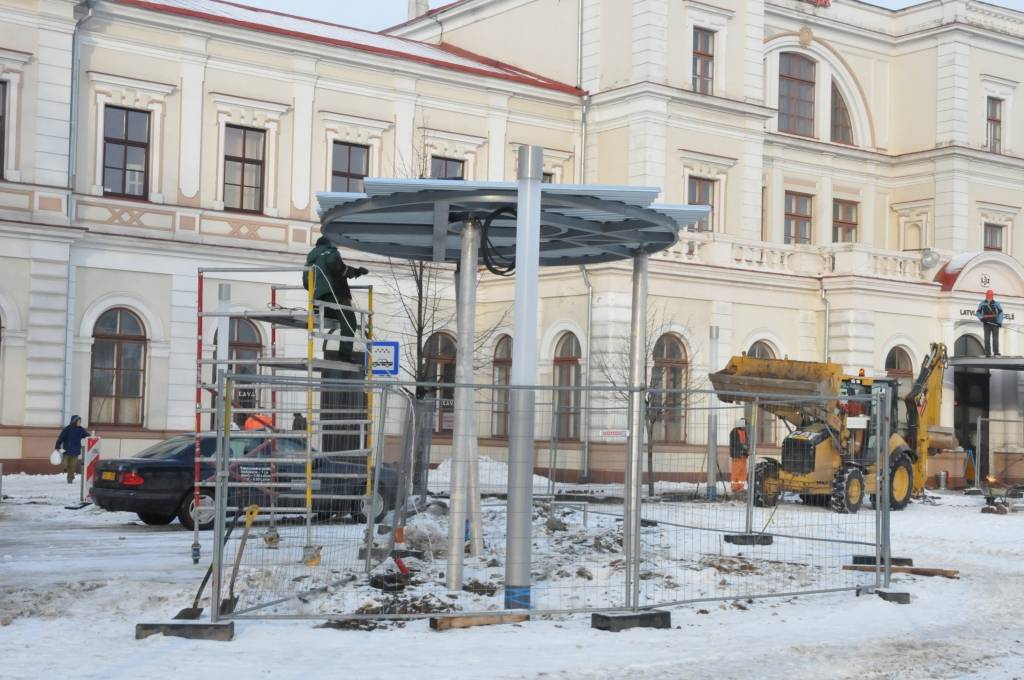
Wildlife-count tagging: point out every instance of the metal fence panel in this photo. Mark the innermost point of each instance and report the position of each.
(310, 553)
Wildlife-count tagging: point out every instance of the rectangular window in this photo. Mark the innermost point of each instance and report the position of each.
(350, 164)
(994, 236)
(994, 133)
(844, 221)
(3, 124)
(243, 169)
(125, 152)
(547, 178)
(446, 168)
(796, 94)
(703, 61)
(702, 192)
(798, 217)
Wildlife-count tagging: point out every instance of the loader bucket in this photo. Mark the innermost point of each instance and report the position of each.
(745, 375)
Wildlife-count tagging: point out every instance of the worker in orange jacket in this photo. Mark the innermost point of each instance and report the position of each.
(739, 450)
(259, 421)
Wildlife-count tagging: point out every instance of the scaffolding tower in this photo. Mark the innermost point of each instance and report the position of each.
(253, 394)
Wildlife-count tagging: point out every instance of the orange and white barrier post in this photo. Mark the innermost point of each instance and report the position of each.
(91, 460)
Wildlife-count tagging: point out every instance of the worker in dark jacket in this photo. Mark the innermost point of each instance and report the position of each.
(990, 313)
(738, 452)
(330, 285)
(69, 443)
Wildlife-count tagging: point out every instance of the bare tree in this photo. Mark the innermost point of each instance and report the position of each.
(614, 367)
(424, 292)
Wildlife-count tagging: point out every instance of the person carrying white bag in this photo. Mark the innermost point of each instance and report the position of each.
(68, 448)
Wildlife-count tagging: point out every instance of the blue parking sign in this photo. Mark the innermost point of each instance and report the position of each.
(383, 356)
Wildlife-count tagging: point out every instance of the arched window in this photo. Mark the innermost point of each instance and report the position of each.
(842, 127)
(899, 366)
(968, 346)
(767, 425)
(439, 354)
(244, 344)
(118, 372)
(567, 374)
(796, 94)
(501, 375)
(671, 373)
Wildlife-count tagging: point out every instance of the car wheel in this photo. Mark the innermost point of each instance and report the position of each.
(379, 511)
(206, 515)
(155, 519)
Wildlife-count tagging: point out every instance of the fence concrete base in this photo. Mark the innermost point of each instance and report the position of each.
(613, 622)
(222, 632)
(893, 596)
(869, 560)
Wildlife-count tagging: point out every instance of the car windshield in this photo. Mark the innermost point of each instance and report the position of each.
(167, 448)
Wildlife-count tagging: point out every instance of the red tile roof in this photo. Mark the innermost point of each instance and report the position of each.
(303, 28)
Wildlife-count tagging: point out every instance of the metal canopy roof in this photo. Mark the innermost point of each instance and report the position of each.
(580, 224)
(998, 363)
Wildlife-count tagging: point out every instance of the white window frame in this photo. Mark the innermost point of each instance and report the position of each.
(141, 95)
(340, 127)
(716, 20)
(12, 64)
(1002, 89)
(452, 145)
(710, 167)
(258, 115)
(1001, 215)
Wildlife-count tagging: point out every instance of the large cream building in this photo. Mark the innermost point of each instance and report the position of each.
(864, 167)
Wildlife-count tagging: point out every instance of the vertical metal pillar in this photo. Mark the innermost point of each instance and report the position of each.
(464, 443)
(637, 387)
(220, 492)
(712, 480)
(880, 457)
(753, 418)
(199, 410)
(524, 372)
(223, 326)
(977, 457)
(884, 493)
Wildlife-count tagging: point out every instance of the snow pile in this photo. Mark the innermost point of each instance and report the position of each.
(493, 478)
(80, 580)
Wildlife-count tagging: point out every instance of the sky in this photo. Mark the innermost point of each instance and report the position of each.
(378, 14)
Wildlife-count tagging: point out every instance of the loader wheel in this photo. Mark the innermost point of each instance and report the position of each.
(848, 490)
(766, 495)
(901, 481)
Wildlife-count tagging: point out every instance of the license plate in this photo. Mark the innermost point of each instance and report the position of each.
(109, 475)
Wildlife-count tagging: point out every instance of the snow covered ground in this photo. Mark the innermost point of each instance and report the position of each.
(73, 584)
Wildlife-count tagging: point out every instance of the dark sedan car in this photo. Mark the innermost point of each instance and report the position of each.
(157, 484)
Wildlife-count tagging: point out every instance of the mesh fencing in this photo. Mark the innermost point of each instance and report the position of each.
(349, 528)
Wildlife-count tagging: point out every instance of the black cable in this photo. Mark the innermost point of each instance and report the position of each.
(489, 253)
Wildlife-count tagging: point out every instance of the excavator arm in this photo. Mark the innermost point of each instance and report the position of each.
(924, 407)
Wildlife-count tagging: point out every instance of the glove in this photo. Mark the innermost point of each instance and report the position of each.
(361, 271)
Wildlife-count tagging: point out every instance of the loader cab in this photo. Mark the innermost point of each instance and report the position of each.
(860, 412)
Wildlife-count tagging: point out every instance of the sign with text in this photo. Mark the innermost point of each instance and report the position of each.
(964, 311)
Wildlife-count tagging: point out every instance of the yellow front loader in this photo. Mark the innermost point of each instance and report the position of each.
(829, 455)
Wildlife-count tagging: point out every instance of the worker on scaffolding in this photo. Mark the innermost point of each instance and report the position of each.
(990, 313)
(739, 450)
(331, 286)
